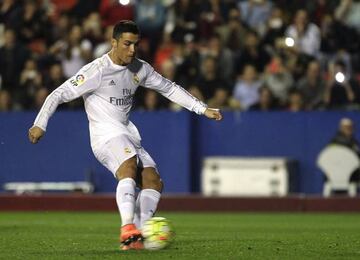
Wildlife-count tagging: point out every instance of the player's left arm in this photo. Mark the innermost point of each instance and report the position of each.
(177, 94)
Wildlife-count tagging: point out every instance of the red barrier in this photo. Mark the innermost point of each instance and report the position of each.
(106, 202)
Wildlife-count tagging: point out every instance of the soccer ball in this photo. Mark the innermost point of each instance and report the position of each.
(157, 233)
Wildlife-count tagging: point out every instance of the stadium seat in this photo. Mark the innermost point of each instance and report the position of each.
(338, 163)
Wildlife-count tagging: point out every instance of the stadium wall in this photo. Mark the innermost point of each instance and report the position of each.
(177, 141)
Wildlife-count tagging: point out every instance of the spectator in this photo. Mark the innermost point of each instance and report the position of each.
(253, 53)
(112, 11)
(305, 34)
(194, 90)
(63, 25)
(189, 69)
(8, 12)
(295, 101)
(55, 77)
(165, 51)
(223, 56)
(92, 29)
(318, 9)
(30, 82)
(275, 28)
(84, 8)
(151, 100)
(345, 136)
(31, 22)
(105, 45)
(343, 57)
(246, 89)
(278, 79)
(150, 16)
(168, 70)
(266, 102)
(336, 36)
(255, 13)
(312, 86)
(348, 12)
(233, 32)
(209, 79)
(182, 20)
(5, 101)
(338, 93)
(223, 100)
(210, 17)
(39, 98)
(12, 59)
(76, 52)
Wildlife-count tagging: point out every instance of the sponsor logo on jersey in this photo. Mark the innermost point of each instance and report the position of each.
(125, 101)
(127, 150)
(112, 83)
(78, 80)
(136, 79)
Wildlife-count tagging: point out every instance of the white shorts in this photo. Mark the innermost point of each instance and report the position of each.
(118, 149)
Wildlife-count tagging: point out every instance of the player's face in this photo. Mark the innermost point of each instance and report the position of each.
(125, 47)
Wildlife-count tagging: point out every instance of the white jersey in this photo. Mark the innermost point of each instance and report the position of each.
(108, 90)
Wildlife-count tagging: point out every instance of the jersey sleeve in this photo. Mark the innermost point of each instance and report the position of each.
(172, 91)
(85, 81)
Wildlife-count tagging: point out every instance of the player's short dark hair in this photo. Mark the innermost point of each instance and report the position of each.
(125, 26)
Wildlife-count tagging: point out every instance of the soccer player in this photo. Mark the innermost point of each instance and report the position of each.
(108, 85)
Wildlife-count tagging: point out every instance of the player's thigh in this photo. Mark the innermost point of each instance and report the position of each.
(145, 160)
(115, 152)
(150, 177)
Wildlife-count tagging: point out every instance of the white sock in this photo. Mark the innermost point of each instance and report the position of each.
(137, 212)
(125, 199)
(149, 200)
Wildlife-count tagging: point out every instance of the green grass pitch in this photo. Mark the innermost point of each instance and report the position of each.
(75, 235)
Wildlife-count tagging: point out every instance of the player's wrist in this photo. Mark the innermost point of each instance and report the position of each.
(203, 109)
(39, 126)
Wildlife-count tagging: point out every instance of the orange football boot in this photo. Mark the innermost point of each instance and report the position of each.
(131, 238)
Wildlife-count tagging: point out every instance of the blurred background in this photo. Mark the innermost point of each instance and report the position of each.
(286, 76)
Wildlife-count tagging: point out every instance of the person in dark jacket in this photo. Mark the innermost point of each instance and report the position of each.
(345, 136)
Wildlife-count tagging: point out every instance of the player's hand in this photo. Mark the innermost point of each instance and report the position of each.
(213, 113)
(35, 133)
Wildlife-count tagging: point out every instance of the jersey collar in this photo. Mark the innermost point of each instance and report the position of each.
(116, 66)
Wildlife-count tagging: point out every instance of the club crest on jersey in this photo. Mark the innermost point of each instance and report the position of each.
(127, 150)
(78, 80)
(136, 79)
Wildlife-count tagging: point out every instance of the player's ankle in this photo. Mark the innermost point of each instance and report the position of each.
(127, 227)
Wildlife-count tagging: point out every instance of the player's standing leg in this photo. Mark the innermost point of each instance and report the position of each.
(125, 199)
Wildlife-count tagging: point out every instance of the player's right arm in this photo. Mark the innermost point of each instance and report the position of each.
(85, 81)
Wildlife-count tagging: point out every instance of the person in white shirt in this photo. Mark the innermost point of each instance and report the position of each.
(108, 85)
(306, 35)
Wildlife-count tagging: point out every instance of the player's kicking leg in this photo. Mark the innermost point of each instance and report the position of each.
(125, 198)
(149, 196)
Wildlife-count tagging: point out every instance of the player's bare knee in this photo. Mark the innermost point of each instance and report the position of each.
(152, 180)
(127, 169)
(155, 183)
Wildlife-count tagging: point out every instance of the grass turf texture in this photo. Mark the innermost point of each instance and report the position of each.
(72, 235)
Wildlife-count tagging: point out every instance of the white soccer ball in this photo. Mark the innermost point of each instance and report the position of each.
(157, 233)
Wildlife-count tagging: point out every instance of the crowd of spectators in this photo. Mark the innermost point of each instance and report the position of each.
(261, 55)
